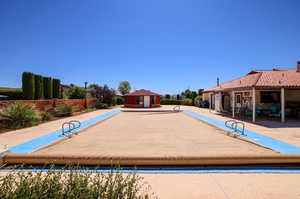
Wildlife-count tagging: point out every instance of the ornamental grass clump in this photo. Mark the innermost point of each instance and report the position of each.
(73, 184)
(64, 110)
(20, 115)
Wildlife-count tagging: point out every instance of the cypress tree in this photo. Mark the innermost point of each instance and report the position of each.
(56, 87)
(39, 87)
(48, 88)
(28, 85)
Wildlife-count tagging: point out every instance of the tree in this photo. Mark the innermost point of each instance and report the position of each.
(200, 91)
(77, 92)
(124, 87)
(187, 93)
(194, 94)
(93, 85)
(168, 96)
(104, 94)
(39, 87)
(56, 88)
(28, 85)
(48, 88)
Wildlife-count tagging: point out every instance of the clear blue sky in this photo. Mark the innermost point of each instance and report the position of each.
(162, 45)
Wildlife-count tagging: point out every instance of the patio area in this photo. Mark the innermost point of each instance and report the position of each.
(260, 95)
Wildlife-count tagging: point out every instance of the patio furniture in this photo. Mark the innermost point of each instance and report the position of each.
(274, 111)
(258, 111)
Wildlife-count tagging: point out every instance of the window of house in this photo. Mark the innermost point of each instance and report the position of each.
(153, 100)
(238, 98)
(270, 97)
(140, 100)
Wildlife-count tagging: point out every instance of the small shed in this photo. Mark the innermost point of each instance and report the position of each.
(142, 99)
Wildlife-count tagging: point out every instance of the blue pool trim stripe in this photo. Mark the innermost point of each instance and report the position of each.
(37, 143)
(274, 144)
(165, 171)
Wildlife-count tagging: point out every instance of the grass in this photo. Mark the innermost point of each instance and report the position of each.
(71, 184)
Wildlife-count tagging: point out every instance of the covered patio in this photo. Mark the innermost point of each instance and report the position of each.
(260, 95)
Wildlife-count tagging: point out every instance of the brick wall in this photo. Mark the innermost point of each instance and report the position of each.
(47, 105)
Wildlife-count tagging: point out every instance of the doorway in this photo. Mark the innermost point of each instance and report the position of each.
(146, 101)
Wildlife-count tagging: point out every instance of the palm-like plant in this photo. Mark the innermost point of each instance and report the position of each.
(20, 115)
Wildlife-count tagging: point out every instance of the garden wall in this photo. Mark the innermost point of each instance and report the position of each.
(48, 105)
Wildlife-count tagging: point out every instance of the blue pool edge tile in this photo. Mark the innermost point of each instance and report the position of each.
(268, 142)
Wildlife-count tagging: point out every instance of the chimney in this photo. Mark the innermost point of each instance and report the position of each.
(298, 66)
(218, 81)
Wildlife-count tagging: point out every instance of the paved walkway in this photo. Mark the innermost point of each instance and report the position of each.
(224, 186)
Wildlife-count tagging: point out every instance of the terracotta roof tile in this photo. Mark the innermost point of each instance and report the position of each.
(141, 92)
(262, 78)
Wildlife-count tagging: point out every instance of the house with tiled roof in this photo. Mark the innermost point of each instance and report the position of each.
(267, 93)
(142, 99)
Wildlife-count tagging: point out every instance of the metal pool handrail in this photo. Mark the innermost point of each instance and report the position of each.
(72, 124)
(176, 108)
(234, 125)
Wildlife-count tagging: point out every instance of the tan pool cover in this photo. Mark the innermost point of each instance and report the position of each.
(150, 136)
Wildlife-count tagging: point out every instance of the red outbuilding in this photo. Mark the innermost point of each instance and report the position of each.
(142, 99)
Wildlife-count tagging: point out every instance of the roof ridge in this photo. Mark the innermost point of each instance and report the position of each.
(259, 76)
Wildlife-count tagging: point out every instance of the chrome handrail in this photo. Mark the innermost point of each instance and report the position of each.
(236, 126)
(176, 108)
(71, 126)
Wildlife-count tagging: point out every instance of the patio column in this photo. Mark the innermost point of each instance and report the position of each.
(210, 102)
(233, 104)
(282, 105)
(253, 104)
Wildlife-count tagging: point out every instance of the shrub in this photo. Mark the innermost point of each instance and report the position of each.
(12, 94)
(188, 102)
(28, 85)
(39, 87)
(46, 116)
(20, 115)
(103, 94)
(77, 92)
(56, 88)
(117, 100)
(73, 184)
(204, 104)
(198, 99)
(170, 102)
(101, 106)
(48, 88)
(62, 111)
(88, 110)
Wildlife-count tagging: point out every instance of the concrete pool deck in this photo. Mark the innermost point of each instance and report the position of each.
(288, 132)
(152, 134)
(20, 136)
(222, 186)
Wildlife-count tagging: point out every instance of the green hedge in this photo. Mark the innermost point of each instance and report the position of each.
(187, 102)
(48, 88)
(56, 88)
(28, 85)
(39, 87)
(12, 94)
